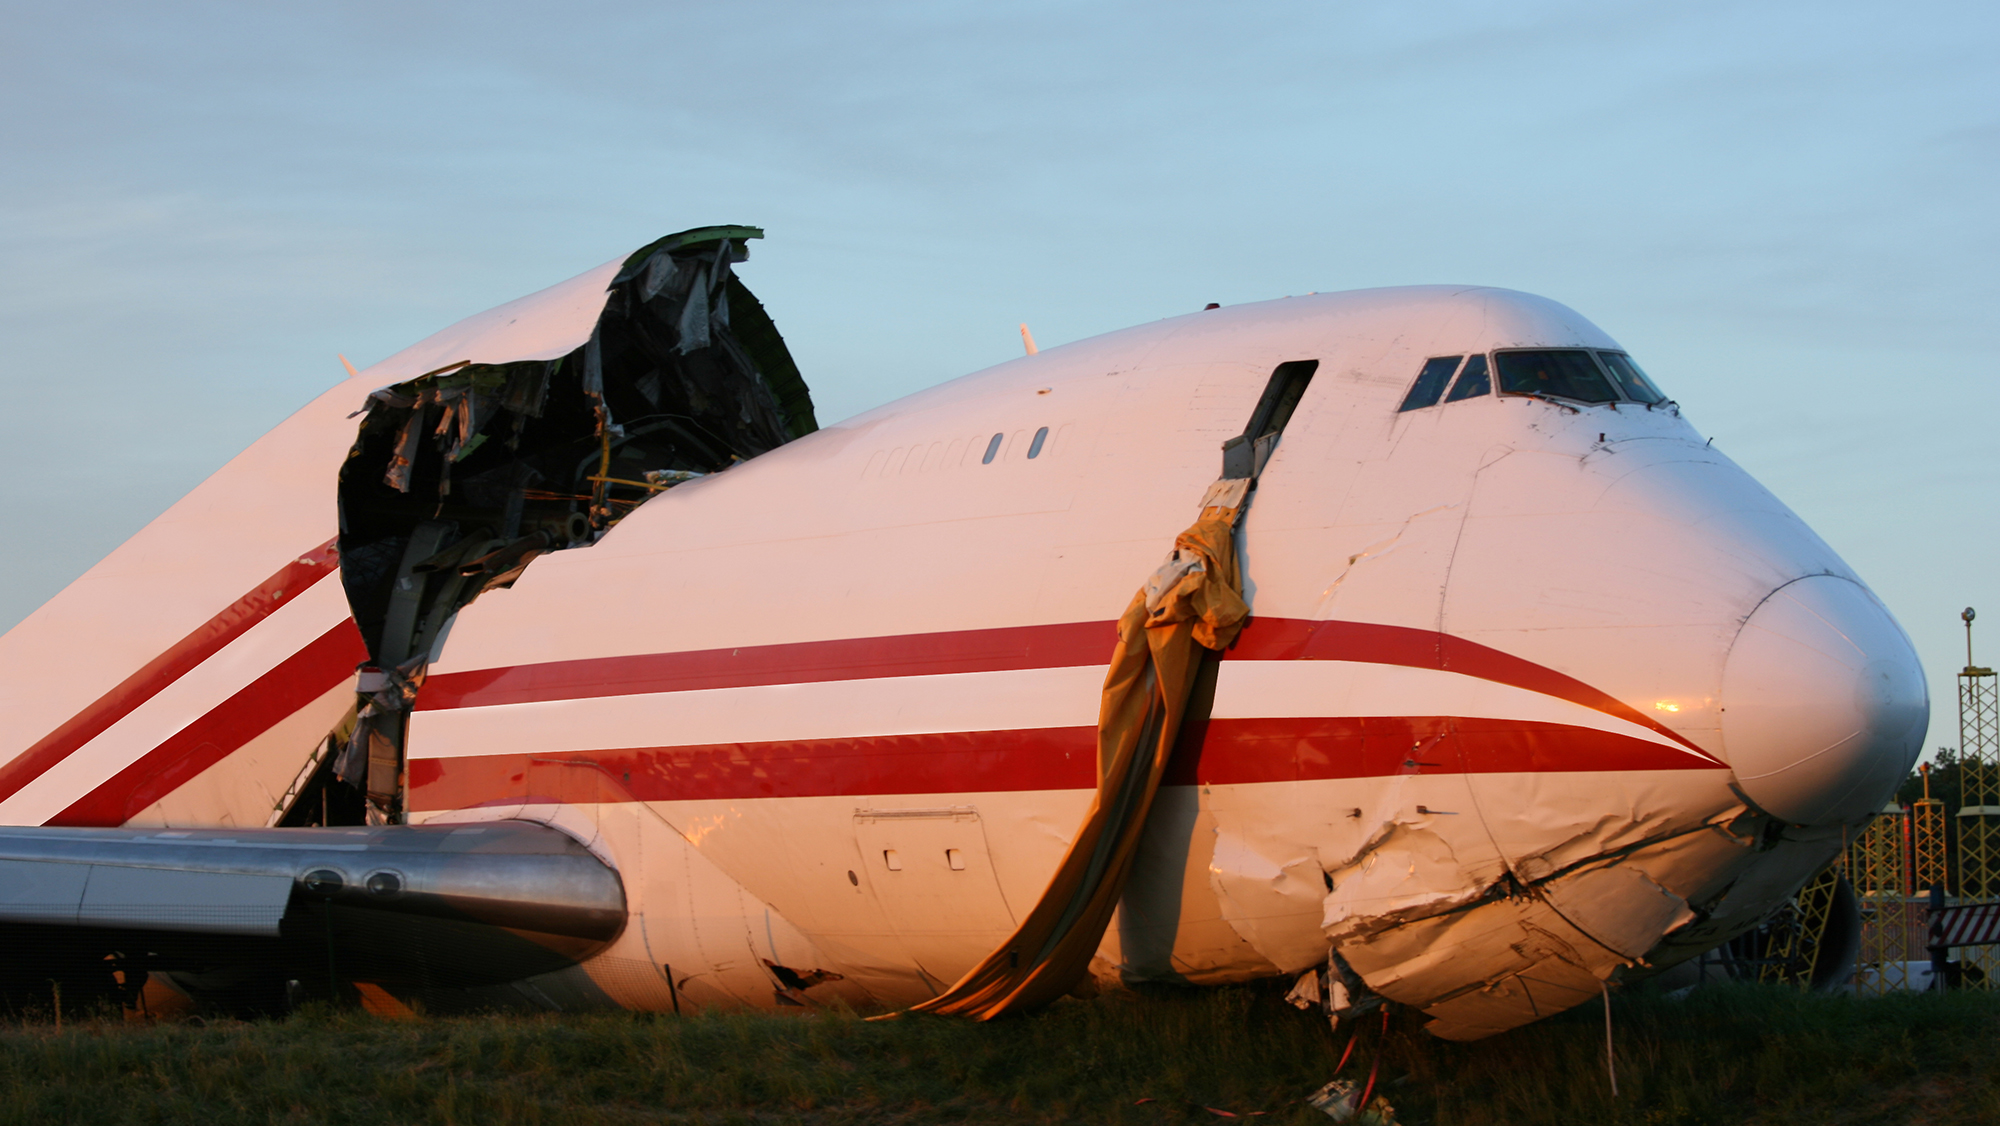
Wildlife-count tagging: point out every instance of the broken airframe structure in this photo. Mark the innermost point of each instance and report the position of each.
(462, 476)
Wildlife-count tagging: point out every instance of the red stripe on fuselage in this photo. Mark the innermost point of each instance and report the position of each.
(295, 682)
(1293, 639)
(915, 764)
(1016, 647)
(292, 580)
(1217, 752)
(803, 662)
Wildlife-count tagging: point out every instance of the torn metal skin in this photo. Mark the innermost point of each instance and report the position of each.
(462, 476)
(1413, 913)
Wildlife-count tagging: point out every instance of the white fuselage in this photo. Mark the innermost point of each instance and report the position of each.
(845, 666)
(1533, 692)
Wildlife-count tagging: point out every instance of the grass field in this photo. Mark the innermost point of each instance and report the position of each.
(1726, 1054)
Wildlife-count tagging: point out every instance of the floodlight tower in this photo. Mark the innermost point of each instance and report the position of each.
(1878, 863)
(1979, 773)
(1928, 868)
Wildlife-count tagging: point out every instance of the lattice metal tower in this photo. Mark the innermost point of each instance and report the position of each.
(1979, 772)
(1879, 865)
(1927, 847)
(1797, 934)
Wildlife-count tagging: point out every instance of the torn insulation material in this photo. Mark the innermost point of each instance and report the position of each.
(461, 477)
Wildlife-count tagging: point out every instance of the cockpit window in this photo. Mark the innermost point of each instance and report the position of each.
(1474, 380)
(1630, 379)
(1577, 374)
(1563, 373)
(1431, 381)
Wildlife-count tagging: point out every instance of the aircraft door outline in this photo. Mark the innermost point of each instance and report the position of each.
(932, 873)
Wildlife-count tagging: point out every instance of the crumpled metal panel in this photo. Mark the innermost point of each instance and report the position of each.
(1416, 901)
(1523, 951)
(1620, 907)
(1172, 926)
(1261, 895)
(1408, 872)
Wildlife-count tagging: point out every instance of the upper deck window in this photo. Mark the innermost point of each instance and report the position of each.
(1562, 373)
(1630, 379)
(1431, 381)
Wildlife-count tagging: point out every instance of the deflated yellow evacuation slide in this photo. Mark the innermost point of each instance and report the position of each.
(1192, 604)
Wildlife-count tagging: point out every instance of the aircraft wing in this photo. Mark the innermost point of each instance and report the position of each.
(446, 905)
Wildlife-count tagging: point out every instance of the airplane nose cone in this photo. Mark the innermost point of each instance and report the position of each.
(1824, 705)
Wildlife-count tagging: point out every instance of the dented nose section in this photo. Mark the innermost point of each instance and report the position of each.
(1824, 705)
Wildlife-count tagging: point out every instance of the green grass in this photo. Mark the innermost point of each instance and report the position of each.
(1723, 1055)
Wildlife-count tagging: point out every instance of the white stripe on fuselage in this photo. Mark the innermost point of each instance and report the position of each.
(1008, 700)
(1284, 689)
(261, 648)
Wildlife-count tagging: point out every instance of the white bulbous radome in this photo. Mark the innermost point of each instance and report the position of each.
(1824, 705)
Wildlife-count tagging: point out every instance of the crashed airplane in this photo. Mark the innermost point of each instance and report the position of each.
(582, 666)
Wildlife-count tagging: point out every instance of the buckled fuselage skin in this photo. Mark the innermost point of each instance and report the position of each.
(1536, 693)
(1477, 736)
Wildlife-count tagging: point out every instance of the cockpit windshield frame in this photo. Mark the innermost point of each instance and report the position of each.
(1606, 376)
(1601, 382)
(1630, 379)
(1570, 374)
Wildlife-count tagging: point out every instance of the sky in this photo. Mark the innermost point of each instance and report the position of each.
(1785, 210)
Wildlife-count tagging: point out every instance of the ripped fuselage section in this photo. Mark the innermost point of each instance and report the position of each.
(461, 477)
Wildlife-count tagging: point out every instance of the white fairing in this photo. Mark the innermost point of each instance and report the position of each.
(1535, 691)
(1822, 702)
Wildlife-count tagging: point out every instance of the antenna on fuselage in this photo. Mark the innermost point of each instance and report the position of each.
(349, 366)
(1028, 340)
